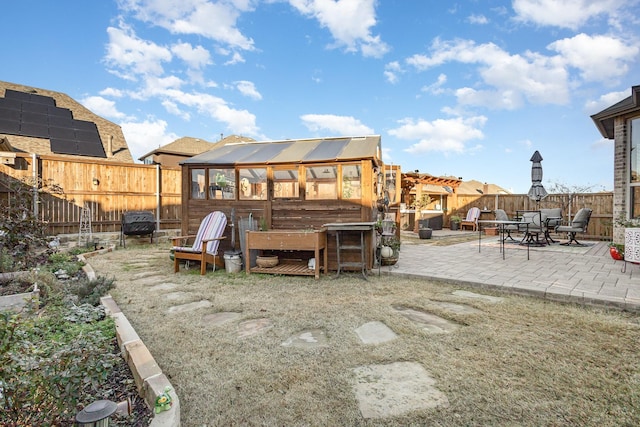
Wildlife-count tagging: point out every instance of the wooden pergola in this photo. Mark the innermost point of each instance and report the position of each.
(416, 180)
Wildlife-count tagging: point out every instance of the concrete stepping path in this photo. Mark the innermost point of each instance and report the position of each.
(375, 333)
(426, 321)
(163, 287)
(311, 338)
(395, 389)
(253, 327)
(220, 318)
(190, 306)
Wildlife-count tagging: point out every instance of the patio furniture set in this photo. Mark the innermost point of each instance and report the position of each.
(536, 227)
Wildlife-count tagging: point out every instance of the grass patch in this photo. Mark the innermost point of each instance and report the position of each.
(523, 361)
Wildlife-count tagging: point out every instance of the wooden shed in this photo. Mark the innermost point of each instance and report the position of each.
(287, 185)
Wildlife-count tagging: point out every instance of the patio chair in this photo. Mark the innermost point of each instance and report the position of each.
(578, 225)
(205, 244)
(471, 220)
(501, 215)
(532, 227)
(551, 218)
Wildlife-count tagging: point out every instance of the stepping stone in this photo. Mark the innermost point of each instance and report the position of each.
(174, 296)
(395, 389)
(311, 338)
(219, 319)
(427, 321)
(456, 308)
(487, 298)
(144, 274)
(150, 280)
(375, 333)
(254, 326)
(137, 264)
(163, 287)
(190, 306)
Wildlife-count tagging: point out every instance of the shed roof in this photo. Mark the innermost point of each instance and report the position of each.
(315, 150)
(604, 119)
(188, 146)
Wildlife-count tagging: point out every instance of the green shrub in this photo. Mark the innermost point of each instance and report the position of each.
(88, 291)
(49, 364)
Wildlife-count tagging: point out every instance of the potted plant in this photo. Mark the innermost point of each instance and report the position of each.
(454, 222)
(389, 250)
(616, 250)
(424, 232)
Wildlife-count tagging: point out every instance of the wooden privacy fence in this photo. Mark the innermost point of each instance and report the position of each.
(600, 225)
(108, 188)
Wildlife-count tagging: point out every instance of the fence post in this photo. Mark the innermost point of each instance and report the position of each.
(158, 201)
(34, 178)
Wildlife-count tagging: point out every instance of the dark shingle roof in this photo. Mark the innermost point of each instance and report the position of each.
(604, 120)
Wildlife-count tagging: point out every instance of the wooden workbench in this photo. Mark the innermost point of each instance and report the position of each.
(288, 240)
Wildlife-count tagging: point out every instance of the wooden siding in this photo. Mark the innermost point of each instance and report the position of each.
(120, 187)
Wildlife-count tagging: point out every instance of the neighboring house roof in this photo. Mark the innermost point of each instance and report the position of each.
(42, 121)
(313, 150)
(477, 187)
(604, 120)
(188, 146)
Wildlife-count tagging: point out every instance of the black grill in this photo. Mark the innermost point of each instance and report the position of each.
(137, 223)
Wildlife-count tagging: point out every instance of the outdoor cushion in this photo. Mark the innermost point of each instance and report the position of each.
(205, 245)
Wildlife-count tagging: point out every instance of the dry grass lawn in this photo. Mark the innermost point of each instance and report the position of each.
(520, 362)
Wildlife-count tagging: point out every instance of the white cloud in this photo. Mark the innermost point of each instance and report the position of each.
(391, 71)
(196, 57)
(446, 135)
(565, 14)
(213, 20)
(236, 58)
(112, 92)
(511, 79)
(436, 87)
(131, 56)
(341, 125)
(605, 101)
(102, 107)
(348, 21)
(174, 109)
(477, 19)
(599, 58)
(248, 89)
(146, 136)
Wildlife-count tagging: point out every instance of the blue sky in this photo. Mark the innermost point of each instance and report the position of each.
(469, 89)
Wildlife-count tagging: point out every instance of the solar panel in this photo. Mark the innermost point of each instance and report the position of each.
(14, 94)
(12, 104)
(33, 115)
(12, 127)
(62, 133)
(84, 125)
(61, 122)
(34, 130)
(41, 99)
(9, 114)
(41, 119)
(59, 112)
(33, 107)
(85, 136)
(64, 146)
(93, 149)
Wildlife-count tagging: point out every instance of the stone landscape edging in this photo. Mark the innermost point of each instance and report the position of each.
(149, 379)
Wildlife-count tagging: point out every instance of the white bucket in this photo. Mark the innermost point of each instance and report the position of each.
(232, 263)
